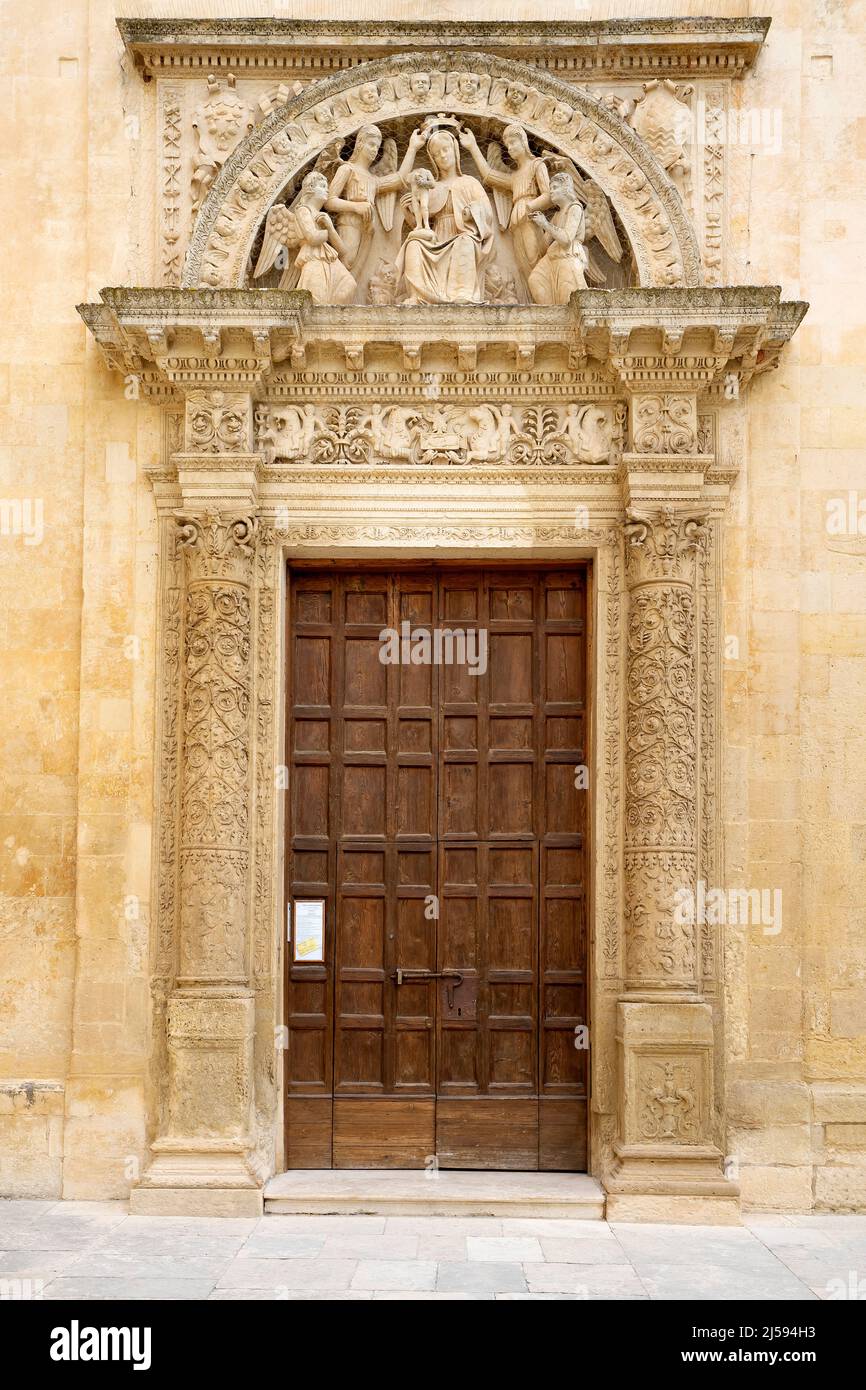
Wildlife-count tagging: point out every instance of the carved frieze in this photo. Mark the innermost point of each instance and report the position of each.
(438, 434)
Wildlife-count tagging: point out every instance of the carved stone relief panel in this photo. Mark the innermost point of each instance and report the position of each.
(218, 422)
(670, 1098)
(661, 748)
(219, 123)
(215, 826)
(438, 434)
(662, 113)
(665, 1101)
(429, 217)
(664, 424)
(211, 1077)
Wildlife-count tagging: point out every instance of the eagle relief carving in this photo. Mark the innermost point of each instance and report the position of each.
(443, 222)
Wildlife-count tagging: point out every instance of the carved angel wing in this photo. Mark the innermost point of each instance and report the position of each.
(329, 160)
(501, 196)
(388, 163)
(599, 222)
(281, 233)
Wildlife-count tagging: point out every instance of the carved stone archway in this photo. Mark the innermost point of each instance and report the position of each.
(662, 238)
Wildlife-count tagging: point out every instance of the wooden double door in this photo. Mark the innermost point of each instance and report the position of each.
(438, 810)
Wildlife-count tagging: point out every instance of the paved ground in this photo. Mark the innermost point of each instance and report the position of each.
(95, 1250)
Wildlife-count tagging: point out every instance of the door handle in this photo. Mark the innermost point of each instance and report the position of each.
(420, 976)
(401, 975)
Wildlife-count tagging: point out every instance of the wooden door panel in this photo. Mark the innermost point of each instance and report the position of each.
(496, 1134)
(436, 810)
(309, 1130)
(383, 1133)
(313, 660)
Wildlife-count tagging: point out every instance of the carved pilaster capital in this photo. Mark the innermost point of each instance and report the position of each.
(218, 545)
(662, 545)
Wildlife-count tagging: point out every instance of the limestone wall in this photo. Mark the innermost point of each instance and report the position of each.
(78, 594)
(796, 603)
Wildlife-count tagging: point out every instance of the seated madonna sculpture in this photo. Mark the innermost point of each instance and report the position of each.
(445, 260)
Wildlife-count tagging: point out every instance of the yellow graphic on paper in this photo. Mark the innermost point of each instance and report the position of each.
(308, 946)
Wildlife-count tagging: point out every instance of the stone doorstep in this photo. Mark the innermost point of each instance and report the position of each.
(380, 1192)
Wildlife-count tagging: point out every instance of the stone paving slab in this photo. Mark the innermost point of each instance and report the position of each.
(93, 1251)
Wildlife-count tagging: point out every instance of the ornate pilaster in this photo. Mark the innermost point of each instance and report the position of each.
(668, 1165)
(215, 821)
(661, 749)
(201, 1160)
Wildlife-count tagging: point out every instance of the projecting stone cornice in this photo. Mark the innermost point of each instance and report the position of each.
(302, 50)
(640, 339)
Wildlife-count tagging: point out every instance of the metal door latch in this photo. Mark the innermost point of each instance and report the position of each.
(419, 976)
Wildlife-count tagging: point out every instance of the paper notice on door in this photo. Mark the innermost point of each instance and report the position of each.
(310, 929)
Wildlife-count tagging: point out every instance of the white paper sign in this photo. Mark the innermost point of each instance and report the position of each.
(310, 929)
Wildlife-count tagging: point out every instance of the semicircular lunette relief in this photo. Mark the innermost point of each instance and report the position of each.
(441, 210)
(406, 183)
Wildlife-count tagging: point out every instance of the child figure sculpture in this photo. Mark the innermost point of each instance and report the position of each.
(421, 181)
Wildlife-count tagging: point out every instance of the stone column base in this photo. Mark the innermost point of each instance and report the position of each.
(205, 1182)
(698, 1211)
(667, 1167)
(674, 1183)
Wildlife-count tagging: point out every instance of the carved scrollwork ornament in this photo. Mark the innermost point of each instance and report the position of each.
(215, 785)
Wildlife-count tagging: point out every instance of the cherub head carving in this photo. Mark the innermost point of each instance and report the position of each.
(420, 86)
(468, 86)
(368, 96)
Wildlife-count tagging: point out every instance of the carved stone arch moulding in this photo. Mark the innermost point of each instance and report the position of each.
(661, 235)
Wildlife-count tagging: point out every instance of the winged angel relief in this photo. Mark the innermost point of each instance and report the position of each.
(374, 227)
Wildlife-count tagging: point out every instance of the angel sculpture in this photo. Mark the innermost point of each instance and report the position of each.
(359, 189)
(517, 192)
(598, 222)
(317, 266)
(562, 269)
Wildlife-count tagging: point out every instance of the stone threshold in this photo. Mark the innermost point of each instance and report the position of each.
(403, 1192)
